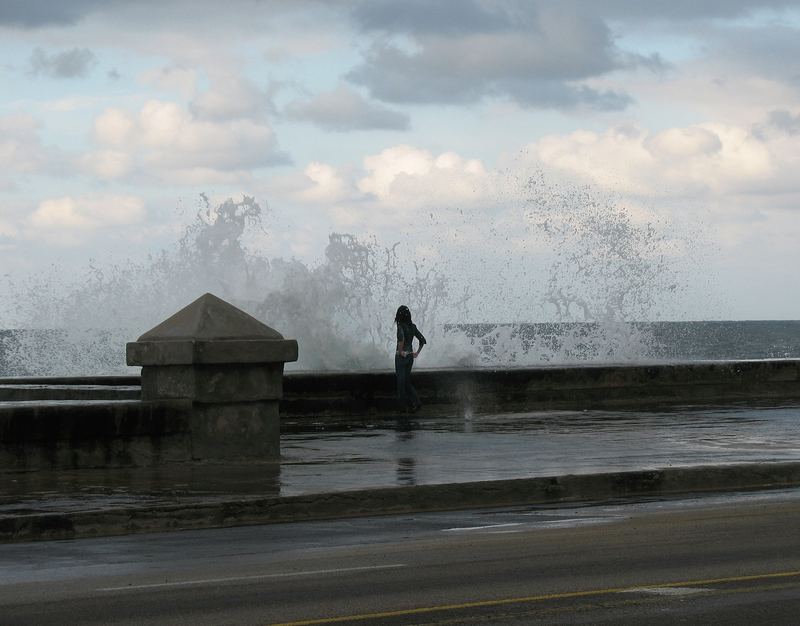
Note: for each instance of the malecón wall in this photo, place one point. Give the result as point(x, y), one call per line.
point(98, 422)
point(484, 390)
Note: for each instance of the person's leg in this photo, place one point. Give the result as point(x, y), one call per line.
point(401, 375)
point(411, 393)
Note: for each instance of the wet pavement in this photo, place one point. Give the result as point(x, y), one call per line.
point(420, 450)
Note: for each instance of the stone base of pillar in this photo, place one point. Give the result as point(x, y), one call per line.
point(235, 431)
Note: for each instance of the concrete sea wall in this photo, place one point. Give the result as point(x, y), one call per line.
point(99, 422)
point(484, 390)
point(76, 434)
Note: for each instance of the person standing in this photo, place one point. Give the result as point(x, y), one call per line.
point(404, 358)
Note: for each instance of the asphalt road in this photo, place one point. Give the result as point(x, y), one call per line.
point(731, 560)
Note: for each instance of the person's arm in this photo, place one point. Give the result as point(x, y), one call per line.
point(420, 337)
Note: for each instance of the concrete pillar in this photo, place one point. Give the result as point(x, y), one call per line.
point(228, 366)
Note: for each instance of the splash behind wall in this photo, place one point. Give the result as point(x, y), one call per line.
point(556, 255)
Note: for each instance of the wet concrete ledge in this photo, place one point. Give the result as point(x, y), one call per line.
point(672, 482)
point(483, 390)
point(65, 391)
point(123, 433)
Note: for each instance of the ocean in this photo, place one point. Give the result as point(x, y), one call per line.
point(669, 341)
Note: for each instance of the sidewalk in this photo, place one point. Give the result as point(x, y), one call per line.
point(421, 464)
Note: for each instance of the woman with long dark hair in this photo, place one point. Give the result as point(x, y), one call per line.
point(404, 358)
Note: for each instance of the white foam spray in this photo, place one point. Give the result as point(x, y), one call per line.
point(587, 269)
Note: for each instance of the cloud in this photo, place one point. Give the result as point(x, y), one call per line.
point(74, 63)
point(402, 186)
point(694, 160)
point(21, 149)
point(785, 121)
point(177, 78)
point(751, 60)
point(167, 142)
point(635, 10)
point(106, 164)
point(550, 55)
point(229, 98)
point(8, 231)
point(325, 184)
point(114, 127)
point(214, 21)
point(456, 17)
point(535, 55)
point(394, 172)
point(452, 17)
point(680, 144)
point(35, 13)
point(287, 46)
point(344, 109)
point(88, 212)
point(404, 179)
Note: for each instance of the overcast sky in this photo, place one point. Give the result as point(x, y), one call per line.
point(368, 117)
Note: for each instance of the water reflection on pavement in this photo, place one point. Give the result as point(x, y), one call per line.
point(421, 450)
point(440, 450)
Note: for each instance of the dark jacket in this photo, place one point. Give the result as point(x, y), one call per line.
point(406, 333)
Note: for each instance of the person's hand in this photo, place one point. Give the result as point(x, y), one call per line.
point(414, 354)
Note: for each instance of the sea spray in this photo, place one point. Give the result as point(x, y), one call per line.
point(340, 309)
point(607, 267)
point(566, 257)
point(591, 271)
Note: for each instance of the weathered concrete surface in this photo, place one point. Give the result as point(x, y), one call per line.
point(245, 511)
point(123, 381)
point(221, 383)
point(92, 434)
point(11, 392)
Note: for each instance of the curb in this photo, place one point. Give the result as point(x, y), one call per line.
point(396, 500)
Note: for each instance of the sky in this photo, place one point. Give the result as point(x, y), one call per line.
point(393, 120)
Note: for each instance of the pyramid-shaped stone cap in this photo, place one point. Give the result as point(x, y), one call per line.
point(210, 331)
point(210, 318)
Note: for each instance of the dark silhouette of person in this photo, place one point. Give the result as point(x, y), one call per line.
point(404, 358)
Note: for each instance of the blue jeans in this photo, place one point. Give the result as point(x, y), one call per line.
point(406, 393)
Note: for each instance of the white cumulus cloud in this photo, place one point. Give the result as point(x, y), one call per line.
point(7, 229)
point(165, 141)
point(395, 187)
point(697, 159)
point(87, 212)
point(405, 177)
point(21, 149)
point(325, 184)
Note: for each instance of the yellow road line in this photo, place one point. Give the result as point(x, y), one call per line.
point(538, 598)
